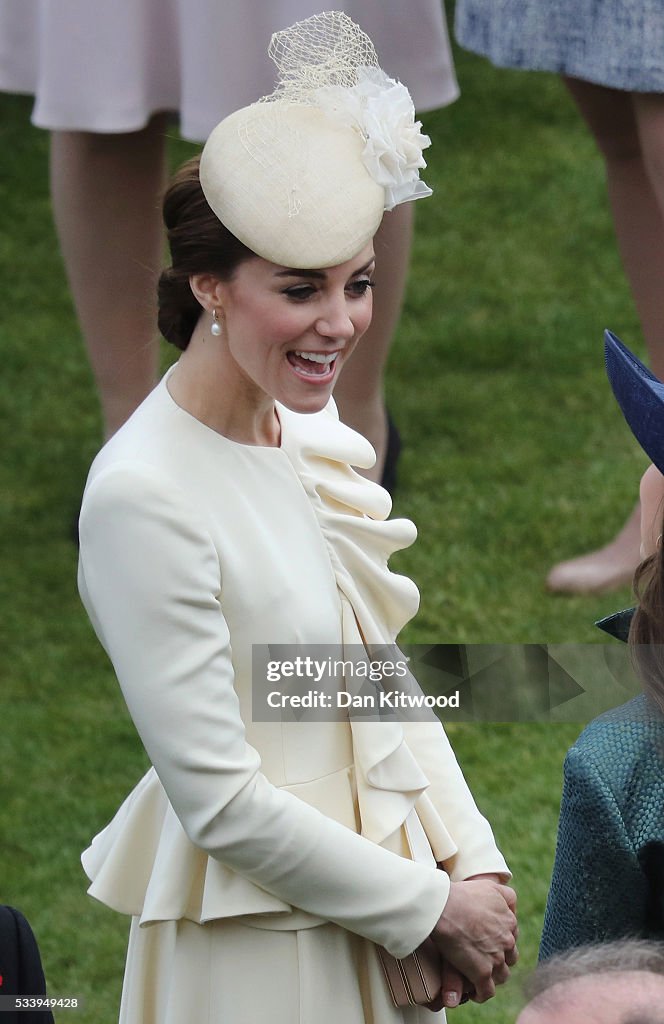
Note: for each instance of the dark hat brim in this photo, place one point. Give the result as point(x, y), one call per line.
point(639, 394)
point(618, 624)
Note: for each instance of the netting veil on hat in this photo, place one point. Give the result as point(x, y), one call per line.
point(303, 176)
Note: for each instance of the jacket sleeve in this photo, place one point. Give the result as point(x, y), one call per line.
point(598, 891)
point(477, 852)
point(150, 578)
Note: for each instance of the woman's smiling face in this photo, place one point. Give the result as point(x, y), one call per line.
point(287, 333)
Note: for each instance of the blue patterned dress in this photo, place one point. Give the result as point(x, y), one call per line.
point(616, 43)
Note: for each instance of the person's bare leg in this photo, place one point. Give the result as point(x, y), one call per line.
point(359, 390)
point(610, 115)
point(105, 191)
point(649, 252)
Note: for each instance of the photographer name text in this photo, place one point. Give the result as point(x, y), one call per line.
point(393, 699)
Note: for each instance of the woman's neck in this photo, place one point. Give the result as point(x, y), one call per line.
point(204, 385)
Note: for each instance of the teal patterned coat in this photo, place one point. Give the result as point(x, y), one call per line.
point(608, 875)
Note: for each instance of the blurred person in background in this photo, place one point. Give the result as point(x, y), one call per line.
point(608, 873)
point(610, 55)
point(612, 983)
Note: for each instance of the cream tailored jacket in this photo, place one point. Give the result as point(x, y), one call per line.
point(193, 548)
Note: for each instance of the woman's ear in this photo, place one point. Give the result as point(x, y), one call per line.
point(207, 289)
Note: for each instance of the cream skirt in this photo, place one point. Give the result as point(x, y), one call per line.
point(223, 972)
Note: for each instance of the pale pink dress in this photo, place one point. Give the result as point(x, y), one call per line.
point(106, 67)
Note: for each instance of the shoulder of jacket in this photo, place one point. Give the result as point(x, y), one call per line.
point(619, 745)
point(129, 480)
point(131, 496)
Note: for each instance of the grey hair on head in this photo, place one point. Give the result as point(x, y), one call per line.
point(622, 955)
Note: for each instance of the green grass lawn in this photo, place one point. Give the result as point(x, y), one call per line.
point(515, 456)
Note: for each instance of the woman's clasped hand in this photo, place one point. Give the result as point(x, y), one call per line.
point(476, 935)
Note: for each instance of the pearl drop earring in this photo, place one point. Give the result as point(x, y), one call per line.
point(216, 326)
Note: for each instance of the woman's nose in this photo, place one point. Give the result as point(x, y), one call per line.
point(335, 321)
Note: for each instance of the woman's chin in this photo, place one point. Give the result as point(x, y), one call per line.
point(307, 404)
point(308, 393)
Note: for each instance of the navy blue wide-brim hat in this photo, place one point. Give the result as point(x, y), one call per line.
point(639, 394)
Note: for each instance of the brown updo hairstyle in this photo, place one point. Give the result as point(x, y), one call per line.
point(199, 244)
point(646, 634)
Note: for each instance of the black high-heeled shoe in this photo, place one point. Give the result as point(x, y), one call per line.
point(393, 451)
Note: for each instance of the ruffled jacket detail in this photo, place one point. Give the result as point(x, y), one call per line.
point(170, 877)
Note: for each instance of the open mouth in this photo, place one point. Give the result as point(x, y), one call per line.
point(318, 366)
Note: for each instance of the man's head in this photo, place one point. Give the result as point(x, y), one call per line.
point(611, 983)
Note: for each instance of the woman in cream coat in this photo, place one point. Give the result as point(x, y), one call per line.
point(261, 862)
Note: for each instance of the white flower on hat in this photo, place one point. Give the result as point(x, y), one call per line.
point(381, 109)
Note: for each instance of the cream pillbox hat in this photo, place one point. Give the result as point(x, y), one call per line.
point(302, 177)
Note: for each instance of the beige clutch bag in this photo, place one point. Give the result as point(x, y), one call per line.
point(415, 979)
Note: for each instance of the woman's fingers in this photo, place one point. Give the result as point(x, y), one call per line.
point(511, 956)
point(476, 933)
point(453, 986)
point(485, 988)
point(501, 973)
point(508, 894)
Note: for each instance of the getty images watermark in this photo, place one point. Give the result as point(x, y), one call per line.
point(323, 683)
point(369, 684)
point(456, 682)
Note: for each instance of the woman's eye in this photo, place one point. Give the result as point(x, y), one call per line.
point(362, 286)
point(300, 292)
